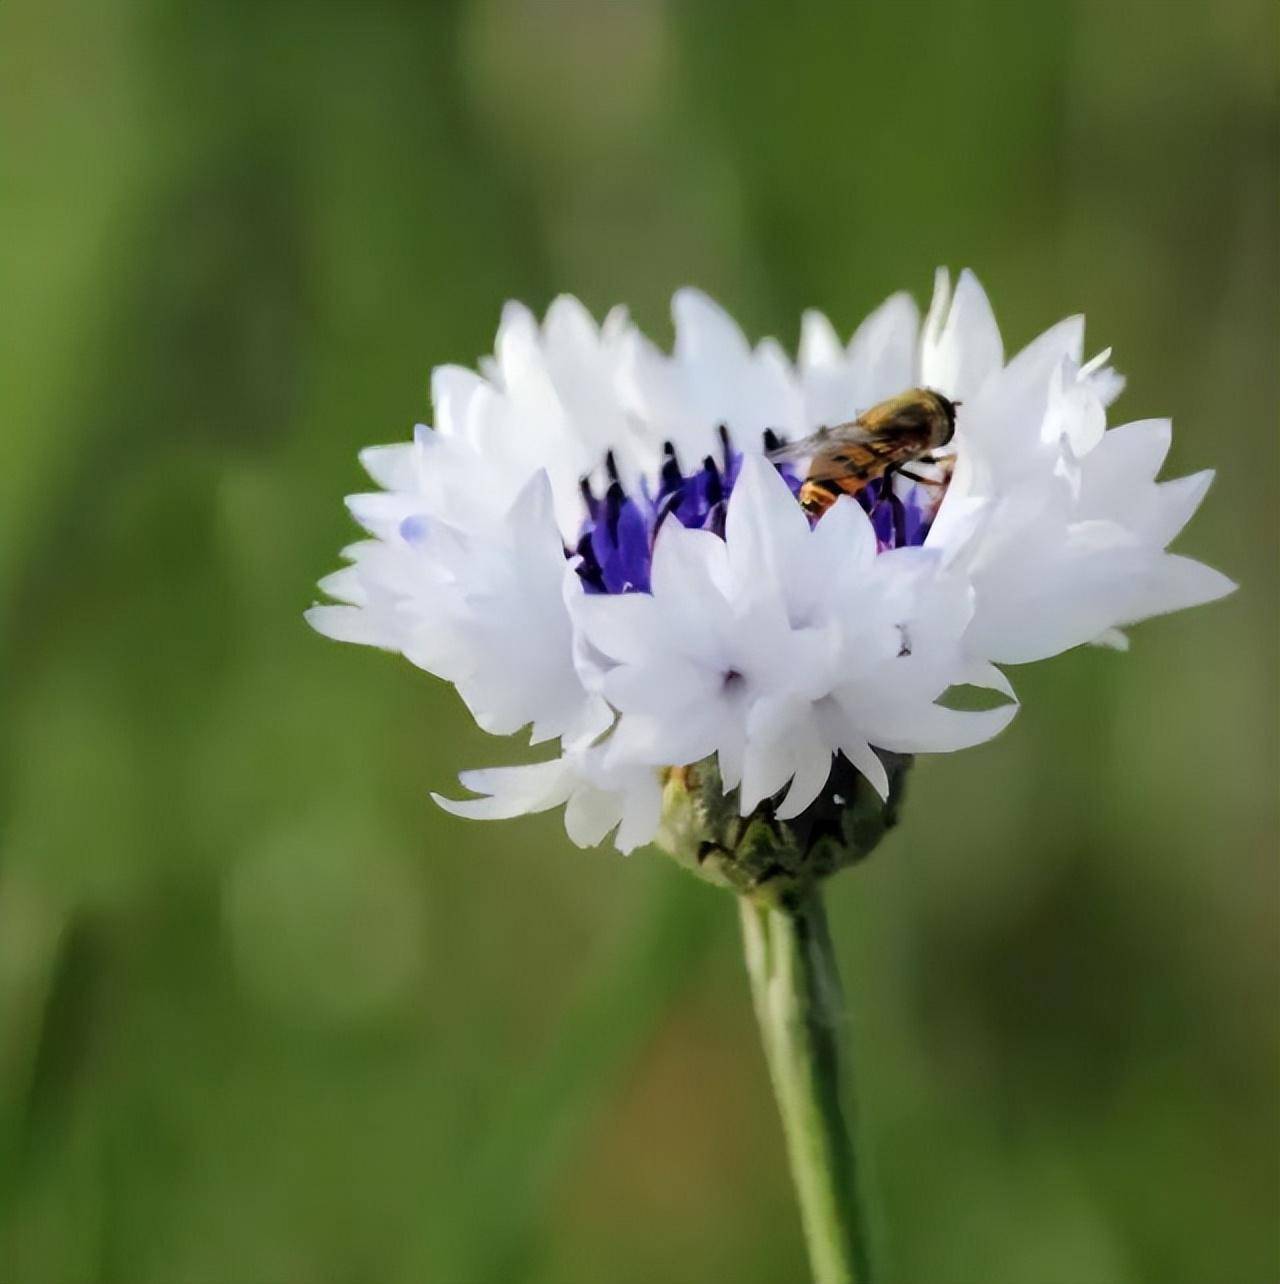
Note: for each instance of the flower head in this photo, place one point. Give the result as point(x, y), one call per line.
point(596, 540)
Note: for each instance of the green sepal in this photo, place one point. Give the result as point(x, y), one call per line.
point(770, 860)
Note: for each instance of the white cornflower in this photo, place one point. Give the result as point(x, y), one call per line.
point(591, 542)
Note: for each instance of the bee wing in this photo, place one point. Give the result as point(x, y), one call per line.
point(847, 452)
point(823, 442)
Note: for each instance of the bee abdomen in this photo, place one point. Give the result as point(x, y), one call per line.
point(817, 496)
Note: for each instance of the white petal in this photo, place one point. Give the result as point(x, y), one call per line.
point(959, 520)
point(1124, 463)
point(819, 345)
point(344, 586)
point(882, 352)
point(657, 741)
point(452, 391)
point(589, 815)
point(939, 305)
point(641, 812)
point(776, 729)
point(867, 761)
point(1045, 605)
point(978, 673)
point(1001, 424)
point(812, 771)
point(931, 728)
point(766, 767)
point(1112, 640)
point(593, 720)
point(844, 536)
point(689, 566)
point(1135, 451)
point(392, 467)
point(516, 347)
point(1037, 361)
point(1075, 413)
point(1107, 384)
point(381, 514)
point(1175, 584)
point(513, 791)
point(624, 628)
point(765, 529)
point(706, 335)
point(569, 326)
point(348, 624)
point(1175, 503)
point(657, 688)
point(960, 353)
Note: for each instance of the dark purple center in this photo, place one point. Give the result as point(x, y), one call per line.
point(615, 546)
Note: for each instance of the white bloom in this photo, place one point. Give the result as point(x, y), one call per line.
point(777, 645)
point(650, 608)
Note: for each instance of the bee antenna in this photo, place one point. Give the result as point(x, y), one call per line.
point(771, 440)
point(584, 485)
point(723, 433)
point(669, 450)
point(611, 466)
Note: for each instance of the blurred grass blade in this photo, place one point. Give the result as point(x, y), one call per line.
point(483, 1233)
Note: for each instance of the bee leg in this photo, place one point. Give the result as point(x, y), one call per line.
point(897, 509)
point(924, 481)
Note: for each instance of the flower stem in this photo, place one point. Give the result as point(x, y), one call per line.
point(798, 1002)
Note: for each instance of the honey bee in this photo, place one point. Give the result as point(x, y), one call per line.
point(877, 444)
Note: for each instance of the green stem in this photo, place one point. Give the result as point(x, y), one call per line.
point(796, 988)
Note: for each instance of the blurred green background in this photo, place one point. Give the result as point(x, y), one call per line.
point(267, 1016)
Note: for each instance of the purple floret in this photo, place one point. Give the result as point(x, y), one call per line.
point(615, 545)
